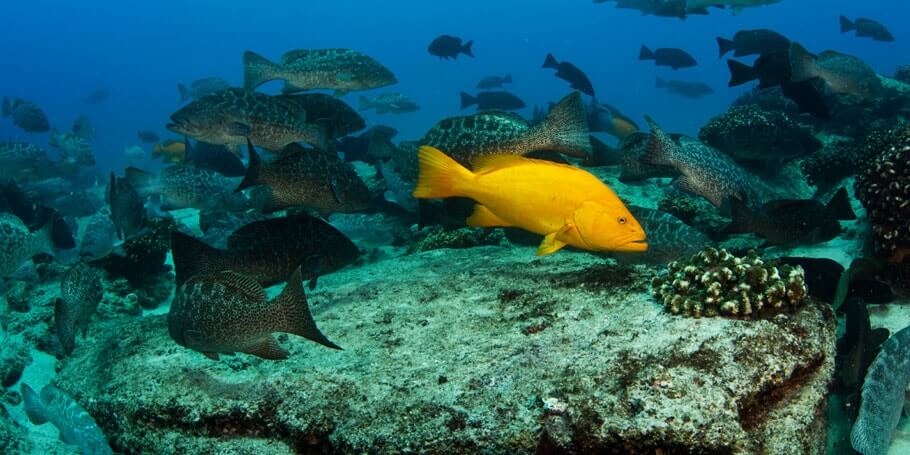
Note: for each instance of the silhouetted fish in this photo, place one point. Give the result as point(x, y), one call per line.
point(127, 210)
point(332, 114)
point(754, 42)
point(447, 46)
point(202, 87)
point(26, 115)
point(494, 82)
point(389, 103)
point(492, 100)
point(214, 157)
point(566, 71)
point(794, 221)
point(842, 73)
point(693, 90)
point(342, 70)
point(672, 57)
point(148, 137)
point(866, 28)
point(80, 293)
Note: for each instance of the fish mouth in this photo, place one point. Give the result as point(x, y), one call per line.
point(634, 246)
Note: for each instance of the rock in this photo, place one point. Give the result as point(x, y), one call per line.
point(486, 349)
point(12, 436)
point(14, 357)
point(17, 297)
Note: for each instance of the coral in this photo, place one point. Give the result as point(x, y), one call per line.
point(679, 206)
point(17, 297)
point(145, 254)
point(883, 187)
point(752, 134)
point(14, 357)
point(438, 237)
point(836, 161)
point(883, 396)
point(716, 283)
point(13, 438)
point(903, 74)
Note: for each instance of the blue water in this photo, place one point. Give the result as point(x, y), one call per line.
point(55, 52)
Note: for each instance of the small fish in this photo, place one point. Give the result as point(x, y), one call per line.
point(18, 245)
point(26, 115)
point(389, 103)
point(494, 82)
point(333, 115)
point(80, 293)
point(736, 5)
point(231, 116)
point(311, 178)
point(492, 100)
point(127, 211)
point(604, 118)
point(342, 70)
point(97, 96)
point(227, 312)
point(672, 57)
point(26, 207)
point(866, 28)
point(570, 73)
point(797, 221)
point(76, 425)
point(202, 87)
point(565, 130)
point(183, 186)
point(686, 89)
point(76, 150)
point(706, 172)
point(358, 148)
point(567, 205)
point(842, 73)
point(448, 47)
point(268, 251)
point(147, 137)
point(753, 42)
point(214, 157)
point(170, 151)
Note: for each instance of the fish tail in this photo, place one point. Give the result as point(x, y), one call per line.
point(440, 176)
point(550, 62)
point(839, 206)
point(192, 257)
point(645, 54)
point(140, 180)
point(184, 93)
point(251, 178)
point(298, 320)
point(565, 129)
point(467, 100)
point(65, 330)
point(659, 147)
point(34, 408)
point(725, 46)
point(802, 63)
point(466, 48)
point(7, 107)
point(740, 73)
point(846, 25)
point(507, 79)
point(257, 70)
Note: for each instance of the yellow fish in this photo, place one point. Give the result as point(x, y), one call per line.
point(565, 204)
point(172, 151)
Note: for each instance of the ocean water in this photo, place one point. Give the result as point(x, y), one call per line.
point(436, 320)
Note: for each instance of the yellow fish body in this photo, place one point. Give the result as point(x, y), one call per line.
point(172, 151)
point(565, 204)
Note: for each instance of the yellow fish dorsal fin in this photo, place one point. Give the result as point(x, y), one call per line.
point(551, 242)
point(483, 217)
point(488, 163)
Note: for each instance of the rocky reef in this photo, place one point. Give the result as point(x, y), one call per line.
point(836, 161)
point(883, 187)
point(464, 350)
point(903, 74)
point(751, 134)
point(716, 283)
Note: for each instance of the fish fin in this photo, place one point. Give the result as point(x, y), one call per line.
point(839, 206)
point(257, 70)
point(267, 349)
point(466, 48)
point(724, 45)
point(251, 178)
point(312, 284)
point(878, 336)
point(294, 307)
point(483, 217)
point(238, 129)
point(565, 128)
point(65, 332)
point(485, 164)
point(467, 100)
point(551, 242)
point(34, 407)
point(340, 93)
point(645, 54)
point(243, 285)
point(192, 257)
point(68, 438)
point(333, 185)
point(740, 73)
point(741, 216)
point(7, 107)
point(211, 355)
point(140, 180)
point(365, 103)
point(685, 185)
point(507, 79)
point(184, 93)
point(846, 25)
point(659, 147)
point(802, 64)
point(550, 62)
point(439, 176)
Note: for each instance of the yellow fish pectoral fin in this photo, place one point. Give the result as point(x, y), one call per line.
point(483, 217)
point(551, 242)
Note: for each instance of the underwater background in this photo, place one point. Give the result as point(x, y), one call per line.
point(347, 233)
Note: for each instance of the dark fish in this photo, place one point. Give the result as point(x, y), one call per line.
point(75, 424)
point(565, 130)
point(494, 82)
point(214, 157)
point(186, 186)
point(342, 70)
point(26, 115)
point(446, 47)
point(389, 103)
point(18, 245)
point(773, 70)
point(603, 118)
point(336, 117)
point(148, 137)
point(357, 148)
point(268, 251)
point(754, 42)
point(795, 221)
point(758, 137)
point(692, 90)
point(668, 238)
point(821, 274)
point(202, 87)
point(127, 209)
point(842, 73)
point(313, 178)
point(672, 57)
point(566, 71)
point(706, 172)
point(34, 215)
point(83, 128)
point(227, 312)
point(76, 204)
point(660, 8)
point(80, 294)
point(857, 349)
point(602, 154)
point(809, 95)
point(492, 100)
point(97, 96)
point(25, 162)
point(231, 116)
point(866, 28)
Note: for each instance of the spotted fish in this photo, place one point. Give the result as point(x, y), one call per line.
point(336, 117)
point(668, 238)
point(17, 244)
point(227, 312)
point(186, 186)
point(80, 293)
point(76, 425)
point(342, 70)
point(564, 130)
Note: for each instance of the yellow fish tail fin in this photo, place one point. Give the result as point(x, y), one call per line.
point(483, 217)
point(440, 176)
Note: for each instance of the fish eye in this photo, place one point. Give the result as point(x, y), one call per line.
point(622, 220)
